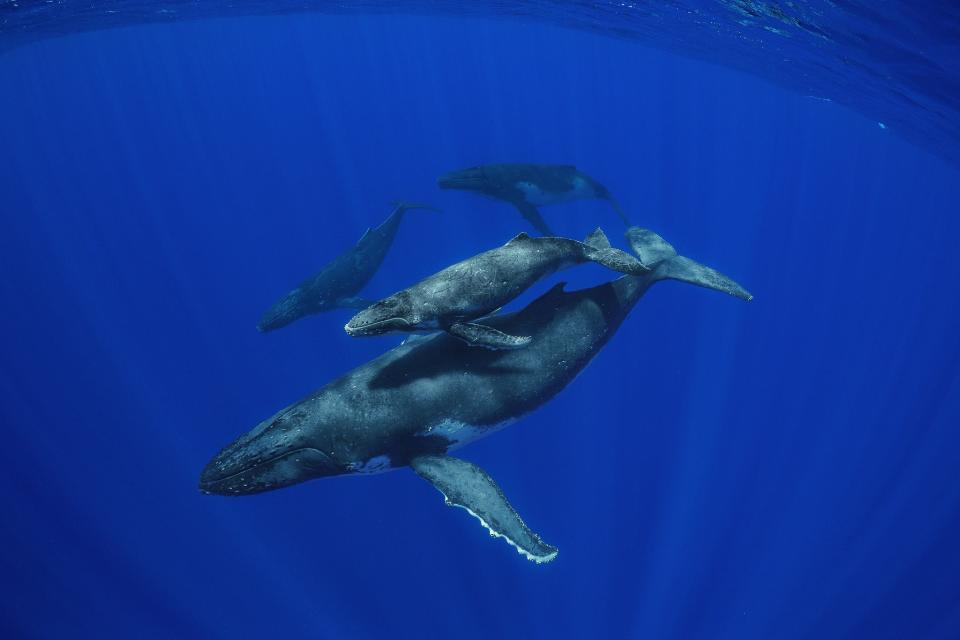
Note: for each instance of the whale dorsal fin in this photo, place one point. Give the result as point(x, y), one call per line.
point(554, 291)
point(523, 236)
point(467, 486)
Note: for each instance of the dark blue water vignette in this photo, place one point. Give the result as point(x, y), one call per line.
point(779, 469)
point(895, 62)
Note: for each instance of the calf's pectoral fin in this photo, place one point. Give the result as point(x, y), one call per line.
point(467, 486)
point(532, 214)
point(480, 335)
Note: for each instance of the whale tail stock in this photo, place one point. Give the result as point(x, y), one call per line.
point(660, 255)
point(400, 206)
point(392, 223)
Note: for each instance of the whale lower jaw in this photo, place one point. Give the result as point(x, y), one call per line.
point(380, 327)
point(290, 467)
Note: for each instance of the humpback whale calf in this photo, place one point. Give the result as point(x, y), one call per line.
point(528, 186)
point(336, 285)
point(416, 403)
point(452, 298)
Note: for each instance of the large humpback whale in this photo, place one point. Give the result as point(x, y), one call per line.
point(453, 298)
point(336, 285)
point(528, 186)
point(427, 397)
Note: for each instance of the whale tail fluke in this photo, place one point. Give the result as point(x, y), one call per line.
point(597, 248)
point(686, 270)
point(660, 255)
point(597, 239)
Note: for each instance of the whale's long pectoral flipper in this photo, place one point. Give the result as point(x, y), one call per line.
point(468, 486)
point(532, 214)
point(660, 254)
point(619, 210)
point(480, 335)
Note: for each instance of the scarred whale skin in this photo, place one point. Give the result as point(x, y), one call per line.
point(414, 403)
point(455, 297)
point(391, 407)
point(403, 403)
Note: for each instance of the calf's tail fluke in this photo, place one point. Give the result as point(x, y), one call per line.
point(662, 258)
point(597, 248)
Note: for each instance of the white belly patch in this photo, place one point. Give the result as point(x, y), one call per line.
point(376, 464)
point(461, 433)
point(538, 197)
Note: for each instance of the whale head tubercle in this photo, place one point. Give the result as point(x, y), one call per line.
point(275, 454)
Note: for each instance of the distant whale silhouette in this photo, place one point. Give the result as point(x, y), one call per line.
point(455, 297)
point(528, 186)
point(336, 285)
point(415, 403)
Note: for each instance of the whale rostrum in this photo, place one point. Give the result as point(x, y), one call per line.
point(418, 402)
point(455, 298)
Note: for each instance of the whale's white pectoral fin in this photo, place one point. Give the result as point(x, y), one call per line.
point(467, 486)
point(480, 335)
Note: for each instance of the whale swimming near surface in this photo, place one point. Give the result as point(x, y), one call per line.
point(414, 404)
point(528, 186)
point(469, 290)
point(336, 285)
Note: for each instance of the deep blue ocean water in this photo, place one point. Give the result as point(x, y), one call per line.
point(785, 468)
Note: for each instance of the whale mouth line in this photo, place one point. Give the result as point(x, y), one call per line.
point(209, 482)
point(361, 329)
